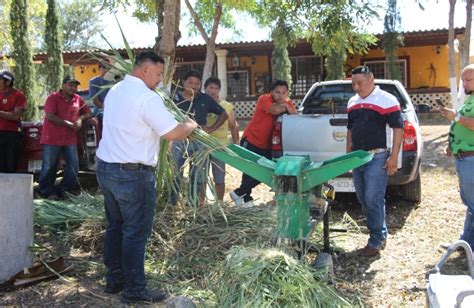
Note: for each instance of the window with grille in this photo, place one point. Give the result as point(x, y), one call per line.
point(237, 84)
point(305, 71)
point(380, 69)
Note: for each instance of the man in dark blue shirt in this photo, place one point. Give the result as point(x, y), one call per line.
point(98, 91)
point(197, 105)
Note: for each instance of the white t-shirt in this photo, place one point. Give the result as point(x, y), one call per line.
point(135, 118)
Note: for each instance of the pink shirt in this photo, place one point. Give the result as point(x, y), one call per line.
point(69, 110)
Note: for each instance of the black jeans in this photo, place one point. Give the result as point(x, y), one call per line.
point(248, 182)
point(9, 150)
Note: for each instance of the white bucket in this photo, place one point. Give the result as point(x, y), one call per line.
point(16, 223)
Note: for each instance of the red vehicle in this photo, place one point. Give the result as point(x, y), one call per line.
point(31, 149)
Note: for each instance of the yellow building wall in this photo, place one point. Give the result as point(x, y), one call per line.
point(83, 73)
point(428, 66)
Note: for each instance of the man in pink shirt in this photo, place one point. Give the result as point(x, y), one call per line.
point(12, 105)
point(64, 113)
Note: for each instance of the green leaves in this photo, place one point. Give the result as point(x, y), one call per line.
point(22, 55)
point(333, 27)
point(53, 40)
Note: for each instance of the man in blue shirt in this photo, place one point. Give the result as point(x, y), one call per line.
point(197, 105)
point(98, 91)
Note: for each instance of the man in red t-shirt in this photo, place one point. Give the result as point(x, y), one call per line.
point(257, 136)
point(12, 104)
point(64, 113)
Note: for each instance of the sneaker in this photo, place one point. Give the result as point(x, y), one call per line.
point(248, 204)
point(149, 295)
point(238, 200)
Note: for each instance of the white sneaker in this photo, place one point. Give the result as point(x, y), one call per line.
point(238, 200)
point(248, 204)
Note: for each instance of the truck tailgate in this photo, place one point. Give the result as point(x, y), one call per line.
point(322, 137)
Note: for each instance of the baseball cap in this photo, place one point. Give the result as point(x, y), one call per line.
point(364, 70)
point(6, 75)
point(69, 79)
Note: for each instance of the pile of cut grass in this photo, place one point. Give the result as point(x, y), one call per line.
point(253, 277)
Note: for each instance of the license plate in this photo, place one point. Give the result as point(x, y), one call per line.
point(342, 184)
point(34, 166)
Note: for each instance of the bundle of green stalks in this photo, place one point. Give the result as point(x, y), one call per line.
point(253, 277)
point(68, 214)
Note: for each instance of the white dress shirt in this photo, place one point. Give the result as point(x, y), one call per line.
point(135, 118)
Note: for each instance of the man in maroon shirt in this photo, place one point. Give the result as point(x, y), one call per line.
point(64, 113)
point(12, 104)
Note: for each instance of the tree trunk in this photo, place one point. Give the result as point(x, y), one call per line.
point(464, 43)
point(452, 70)
point(168, 12)
point(209, 40)
point(335, 63)
point(209, 64)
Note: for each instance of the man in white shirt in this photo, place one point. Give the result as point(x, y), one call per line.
point(135, 118)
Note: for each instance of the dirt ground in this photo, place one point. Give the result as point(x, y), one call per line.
point(396, 278)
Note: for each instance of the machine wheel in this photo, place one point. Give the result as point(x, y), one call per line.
point(411, 192)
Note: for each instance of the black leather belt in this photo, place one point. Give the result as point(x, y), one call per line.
point(463, 154)
point(136, 166)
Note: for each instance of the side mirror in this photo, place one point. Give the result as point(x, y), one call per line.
point(422, 108)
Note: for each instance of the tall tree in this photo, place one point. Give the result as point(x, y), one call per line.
point(464, 42)
point(22, 55)
point(207, 16)
point(36, 13)
point(392, 39)
point(166, 15)
point(452, 68)
point(80, 23)
point(281, 64)
point(53, 41)
point(334, 28)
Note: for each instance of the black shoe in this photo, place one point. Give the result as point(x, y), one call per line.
point(150, 295)
point(113, 288)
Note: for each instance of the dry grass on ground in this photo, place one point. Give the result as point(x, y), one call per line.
point(397, 278)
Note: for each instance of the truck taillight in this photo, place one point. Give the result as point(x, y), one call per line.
point(409, 137)
point(276, 135)
point(91, 137)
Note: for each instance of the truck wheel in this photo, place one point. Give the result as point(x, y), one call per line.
point(411, 192)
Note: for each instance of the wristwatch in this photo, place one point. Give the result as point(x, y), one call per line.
point(457, 117)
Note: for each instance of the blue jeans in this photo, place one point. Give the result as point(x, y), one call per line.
point(197, 174)
point(130, 200)
point(51, 155)
point(465, 171)
point(218, 170)
point(248, 182)
point(370, 181)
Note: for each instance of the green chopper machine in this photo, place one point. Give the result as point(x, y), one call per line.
point(300, 186)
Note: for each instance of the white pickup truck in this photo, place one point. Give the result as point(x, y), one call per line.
point(319, 130)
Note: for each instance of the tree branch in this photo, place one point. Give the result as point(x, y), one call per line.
point(217, 19)
point(197, 22)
